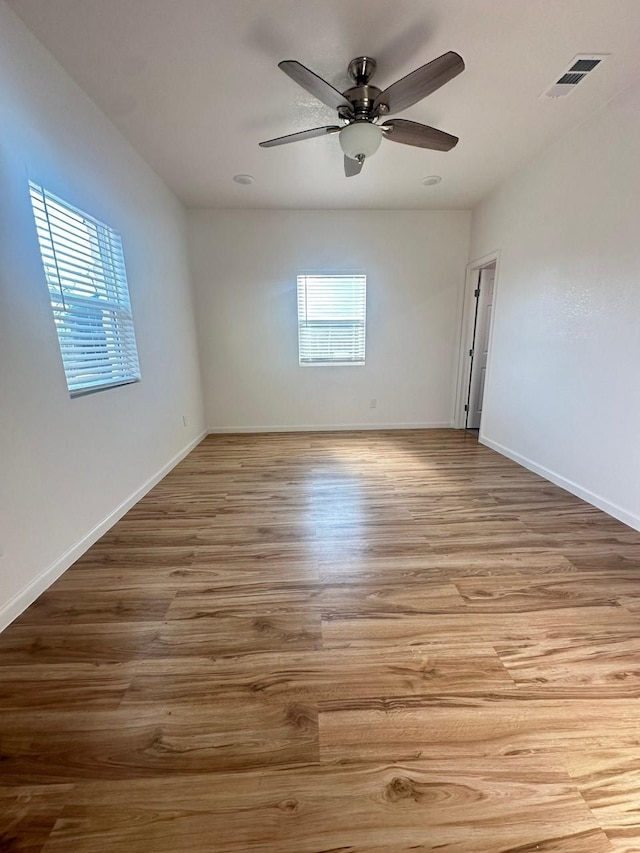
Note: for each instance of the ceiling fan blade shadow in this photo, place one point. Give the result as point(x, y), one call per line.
point(420, 135)
point(420, 83)
point(298, 137)
point(351, 167)
point(409, 41)
point(310, 81)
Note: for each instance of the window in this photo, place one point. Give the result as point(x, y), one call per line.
point(331, 318)
point(84, 269)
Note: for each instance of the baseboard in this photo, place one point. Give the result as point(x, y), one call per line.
point(234, 430)
point(16, 605)
point(618, 512)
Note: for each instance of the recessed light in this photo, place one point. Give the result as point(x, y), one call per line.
point(243, 179)
point(431, 180)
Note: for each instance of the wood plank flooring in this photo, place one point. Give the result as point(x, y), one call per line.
point(374, 642)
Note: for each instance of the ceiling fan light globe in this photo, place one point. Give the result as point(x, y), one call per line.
point(360, 139)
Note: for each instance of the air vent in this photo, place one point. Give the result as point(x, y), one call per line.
point(579, 68)
point(569, 79)
point(585, 65)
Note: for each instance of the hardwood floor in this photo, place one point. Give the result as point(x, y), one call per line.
point(373, 642)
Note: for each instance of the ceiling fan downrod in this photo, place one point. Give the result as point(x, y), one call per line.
point(362, 96)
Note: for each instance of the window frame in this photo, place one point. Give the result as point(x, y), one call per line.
point(88, 289)
point(345, 273)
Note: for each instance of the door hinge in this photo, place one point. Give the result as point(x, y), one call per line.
point(466, 408)
point(476, 292)
point(470, 353)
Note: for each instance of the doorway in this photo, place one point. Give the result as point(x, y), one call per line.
point(479, 350)
point(475, 342)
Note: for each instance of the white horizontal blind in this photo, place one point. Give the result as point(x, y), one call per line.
point(331, 318)
point(84, 267)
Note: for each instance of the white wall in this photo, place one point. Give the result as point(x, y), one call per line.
point(244, 266)
point(563, 389)
point(65, 465)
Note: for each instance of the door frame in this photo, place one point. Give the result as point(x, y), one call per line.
point(466, 333)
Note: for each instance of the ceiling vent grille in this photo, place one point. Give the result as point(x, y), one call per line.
point(574, 74)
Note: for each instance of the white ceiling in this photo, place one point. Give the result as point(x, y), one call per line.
point(194, 85)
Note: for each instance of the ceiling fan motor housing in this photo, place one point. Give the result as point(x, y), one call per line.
point(361, 99)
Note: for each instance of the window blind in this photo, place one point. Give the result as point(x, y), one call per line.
point(331, 318)
point(85, 273)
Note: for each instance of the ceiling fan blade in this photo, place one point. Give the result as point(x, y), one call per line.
point(298, 137)
point(420, 135)
point(420, 83)
point(318, 87)
point(351, 167)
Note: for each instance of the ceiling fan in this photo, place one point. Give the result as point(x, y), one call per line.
point(361, 107)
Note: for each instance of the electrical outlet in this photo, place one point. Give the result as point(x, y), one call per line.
point(373, 403)
point(184, 420)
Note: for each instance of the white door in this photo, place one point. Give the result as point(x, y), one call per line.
point(480, 346)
